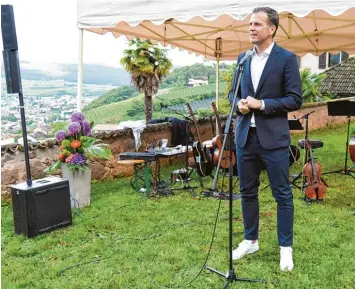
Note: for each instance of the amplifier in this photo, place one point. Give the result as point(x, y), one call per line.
point(43, 207)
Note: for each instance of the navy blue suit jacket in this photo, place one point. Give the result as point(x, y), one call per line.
point(281, 90)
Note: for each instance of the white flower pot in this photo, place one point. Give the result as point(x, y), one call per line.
point(80, 186)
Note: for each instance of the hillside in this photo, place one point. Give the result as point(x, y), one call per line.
point(115, 95)
point(133, 108)
point(92, 73)
point(177, 79)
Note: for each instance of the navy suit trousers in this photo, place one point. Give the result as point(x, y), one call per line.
point(251, 159)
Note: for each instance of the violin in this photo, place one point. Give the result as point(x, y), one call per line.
point(315, 188)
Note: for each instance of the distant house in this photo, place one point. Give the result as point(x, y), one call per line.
point(197, 81)
point(340, 79)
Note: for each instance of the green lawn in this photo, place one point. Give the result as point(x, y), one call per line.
point(126, 241)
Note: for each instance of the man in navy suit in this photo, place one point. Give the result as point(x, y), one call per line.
point(270, 87)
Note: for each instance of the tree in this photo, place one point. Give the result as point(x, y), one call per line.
point(147, 65)
point(11, 117)
point(227, 76)
point(204, 112)
point(310, 85)
point(58, 125)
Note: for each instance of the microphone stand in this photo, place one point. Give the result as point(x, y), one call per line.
point(187, 133)
point(230, 275)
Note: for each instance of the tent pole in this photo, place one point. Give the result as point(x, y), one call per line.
point(217, 90)
point(80, 71)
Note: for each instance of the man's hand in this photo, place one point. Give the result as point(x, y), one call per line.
point(253, 102)
point(243, 106)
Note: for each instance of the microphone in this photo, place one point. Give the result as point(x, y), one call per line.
point(247, 55)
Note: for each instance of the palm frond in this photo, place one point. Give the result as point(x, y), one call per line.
point(99, 152)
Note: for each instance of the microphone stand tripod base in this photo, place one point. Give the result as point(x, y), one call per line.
point(231, 277)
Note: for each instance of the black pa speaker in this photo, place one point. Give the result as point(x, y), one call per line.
point(42, 207)
point(8, 28)
point(10, 53)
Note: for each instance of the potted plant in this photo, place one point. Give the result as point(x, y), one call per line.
point(77, 149)
point(352, 146)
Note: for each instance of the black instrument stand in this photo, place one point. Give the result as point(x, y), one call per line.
point(186, 183)
point(306, 154)
point(343, 108)
point(230, 275)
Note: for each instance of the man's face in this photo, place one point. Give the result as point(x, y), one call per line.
point(259, 28)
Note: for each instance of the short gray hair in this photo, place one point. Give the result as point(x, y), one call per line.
point(272, 15)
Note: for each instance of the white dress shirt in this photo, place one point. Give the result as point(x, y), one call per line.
point(257, 65)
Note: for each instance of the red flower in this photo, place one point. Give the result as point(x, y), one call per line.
point(75, 144)
point(61, 157)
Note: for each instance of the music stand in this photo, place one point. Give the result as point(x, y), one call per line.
point(343, 108)
point(295, 124)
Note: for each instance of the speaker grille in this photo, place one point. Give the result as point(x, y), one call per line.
point(20, 212)
point(8, 28)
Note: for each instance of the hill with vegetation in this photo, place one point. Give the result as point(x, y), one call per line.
point(180, 76)
point(133, 108)
point(92, 73)
point(125, 103)
point(177, 79)
point(115, 95)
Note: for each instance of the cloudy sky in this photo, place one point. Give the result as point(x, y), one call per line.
point(47, 33)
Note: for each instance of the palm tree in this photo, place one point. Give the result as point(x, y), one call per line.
point(148, 65)
point(310, 85)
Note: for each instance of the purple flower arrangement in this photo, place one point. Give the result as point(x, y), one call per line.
point(77, 159)
point(86, 128)
point(77, 146)
point(60, 135)
point(77, 117)
point(74, 128)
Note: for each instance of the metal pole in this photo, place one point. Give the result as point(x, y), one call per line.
point(80, 71)
point(217, 91)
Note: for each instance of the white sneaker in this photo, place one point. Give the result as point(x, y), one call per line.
point(286, 262)
point(244, 248)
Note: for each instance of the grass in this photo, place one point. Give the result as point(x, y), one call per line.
point(125, 241)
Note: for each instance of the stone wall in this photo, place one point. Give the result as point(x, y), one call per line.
point(41, 155)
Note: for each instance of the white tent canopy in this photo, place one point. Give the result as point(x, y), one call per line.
point(212, 28)
point(219, 30)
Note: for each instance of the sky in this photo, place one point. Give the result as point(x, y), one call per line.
point(47, 33)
